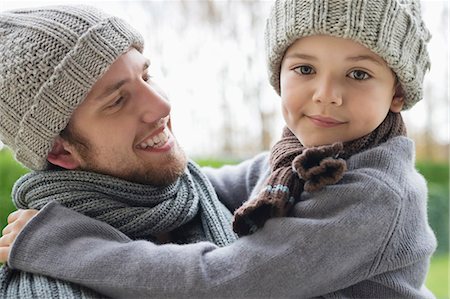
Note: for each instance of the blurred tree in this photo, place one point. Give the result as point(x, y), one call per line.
point(428, 139)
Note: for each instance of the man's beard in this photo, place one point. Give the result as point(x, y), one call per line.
point(159, 176)
point(165, 173)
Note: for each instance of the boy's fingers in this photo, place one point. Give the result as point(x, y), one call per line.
point(6, 230)
point(14, 215)
point(7, 240)
point(24, 215)
point(4, 253)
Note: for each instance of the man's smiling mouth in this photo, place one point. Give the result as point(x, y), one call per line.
point(155, 141)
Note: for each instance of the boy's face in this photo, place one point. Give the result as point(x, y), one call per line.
point(334, 89)
point(116, 129)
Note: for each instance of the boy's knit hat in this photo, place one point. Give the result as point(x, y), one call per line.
point(393, 29)
point(50, 57)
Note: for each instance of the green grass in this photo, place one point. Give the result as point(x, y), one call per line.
point(437, 176)
point(438, 279)
point(437, 173)
point(215, 163)
point(10, 171)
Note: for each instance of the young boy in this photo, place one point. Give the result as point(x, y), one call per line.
point(344, 71)
point(343, 80)
point(340, 212)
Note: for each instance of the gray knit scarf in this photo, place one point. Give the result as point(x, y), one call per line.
point(139, 211)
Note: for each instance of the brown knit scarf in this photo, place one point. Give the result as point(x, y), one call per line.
point(295, 168)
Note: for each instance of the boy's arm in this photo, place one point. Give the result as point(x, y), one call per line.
point(234, 183)
point(332, 242)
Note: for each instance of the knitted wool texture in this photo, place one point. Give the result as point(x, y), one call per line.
point(295, 168)
point(393, 29)
point(18, 284)
point(139, 211)
point(50, 58)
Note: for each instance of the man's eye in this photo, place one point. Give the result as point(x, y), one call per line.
point(304, 70)
point(117, 102)
point(359, 75)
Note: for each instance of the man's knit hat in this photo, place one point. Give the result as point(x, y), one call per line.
point(393, 29)
point(50, 57)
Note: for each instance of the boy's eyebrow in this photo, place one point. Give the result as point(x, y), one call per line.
point(351, 58)
point(365, 57)
point(300, 55)
point(113, 87)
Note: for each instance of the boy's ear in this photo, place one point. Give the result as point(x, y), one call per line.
point(63, 154)
point(398, 100)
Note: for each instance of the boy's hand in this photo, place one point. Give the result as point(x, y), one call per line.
point(16, 222)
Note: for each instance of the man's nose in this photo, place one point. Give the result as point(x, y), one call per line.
point(328, 91)
point(153, 104)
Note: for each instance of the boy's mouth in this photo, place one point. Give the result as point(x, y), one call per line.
point(325, 121)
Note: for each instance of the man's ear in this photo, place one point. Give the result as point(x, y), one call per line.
point(398, 100)
point(63, 154)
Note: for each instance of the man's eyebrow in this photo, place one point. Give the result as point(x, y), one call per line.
point(111, 88)
point(365, 57)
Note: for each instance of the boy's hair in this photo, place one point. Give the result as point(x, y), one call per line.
point(50, 58)
point(393, 29)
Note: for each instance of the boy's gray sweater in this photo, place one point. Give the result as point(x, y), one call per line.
point(365, 237)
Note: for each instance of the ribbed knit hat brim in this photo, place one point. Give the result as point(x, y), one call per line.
point(393, 29)
point(50, 59)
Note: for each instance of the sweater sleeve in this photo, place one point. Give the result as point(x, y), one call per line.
point(333, 240)
point(235, 183)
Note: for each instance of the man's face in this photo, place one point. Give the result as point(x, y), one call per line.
point(334, 89)
point(123, 129)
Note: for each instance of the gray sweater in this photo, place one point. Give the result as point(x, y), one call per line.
point(366, 236)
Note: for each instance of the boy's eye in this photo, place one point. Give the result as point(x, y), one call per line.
point(359, 75)
point(304, 70)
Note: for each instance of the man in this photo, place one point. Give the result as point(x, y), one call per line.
point(335, 241)
point(78, 106)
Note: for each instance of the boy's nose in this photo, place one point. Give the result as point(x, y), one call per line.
point(328, 91)
point(153, 105)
